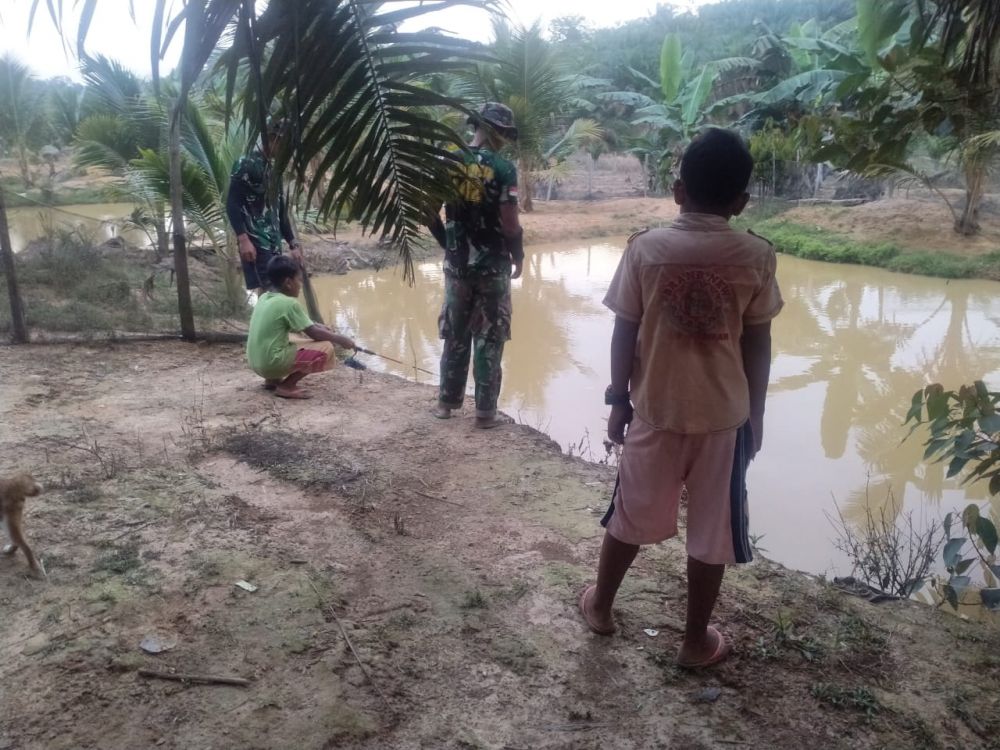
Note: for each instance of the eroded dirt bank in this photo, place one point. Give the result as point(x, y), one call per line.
point(449, 558)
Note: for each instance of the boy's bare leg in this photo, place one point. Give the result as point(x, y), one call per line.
point(616, 559)
point(704, 581)
point(289, 387)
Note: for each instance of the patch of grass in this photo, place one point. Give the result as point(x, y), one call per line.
point(919, 736)
point(119, 560)
point(55, 560)
point(854, 632)
point(402, 621)
point(787, 634)
point(517, 654)
point(84, 495)
point(858, 698)
point(516, 591)
point(474, 600)
point(811, 243)
point(977, 711)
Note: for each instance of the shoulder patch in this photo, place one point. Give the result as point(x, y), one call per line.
point(750, 231)
point(636, 234)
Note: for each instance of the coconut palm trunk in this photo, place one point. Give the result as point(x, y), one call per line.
point(184, 309)
point(18, 324)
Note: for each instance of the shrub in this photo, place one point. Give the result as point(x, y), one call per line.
point(965, 431)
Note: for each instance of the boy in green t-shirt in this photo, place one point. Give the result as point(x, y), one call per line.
point(270, 352)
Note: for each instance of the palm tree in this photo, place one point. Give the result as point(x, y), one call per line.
point(354, 102)
point(528, 77)
point(22, 112)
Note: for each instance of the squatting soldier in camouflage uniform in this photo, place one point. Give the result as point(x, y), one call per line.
point(482, 239)
point(258, 227)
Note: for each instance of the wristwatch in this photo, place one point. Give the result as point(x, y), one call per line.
point(616, 399)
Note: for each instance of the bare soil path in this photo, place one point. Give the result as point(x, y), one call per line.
point(416, 586)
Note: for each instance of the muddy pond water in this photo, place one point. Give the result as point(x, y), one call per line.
point(98, 222)
point(850, 349)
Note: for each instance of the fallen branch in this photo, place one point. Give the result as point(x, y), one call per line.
point(205, 679)
point(364, 670)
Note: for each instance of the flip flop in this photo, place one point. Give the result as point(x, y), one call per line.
point(270, 385)
point(722, 650)
point(584, 597)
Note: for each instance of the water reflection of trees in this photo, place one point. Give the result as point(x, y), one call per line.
point(865, 356)
point(400, 321)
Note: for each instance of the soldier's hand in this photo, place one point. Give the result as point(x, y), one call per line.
point(248, 253)
point(515, 271)
point(295, 250)
point(620, 416)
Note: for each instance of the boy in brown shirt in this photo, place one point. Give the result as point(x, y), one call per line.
point(690, 360)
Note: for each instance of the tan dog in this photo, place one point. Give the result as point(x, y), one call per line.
point(13, 490)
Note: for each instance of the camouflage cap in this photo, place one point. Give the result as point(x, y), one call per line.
point(497, 116)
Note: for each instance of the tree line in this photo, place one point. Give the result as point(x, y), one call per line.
point(901, 89)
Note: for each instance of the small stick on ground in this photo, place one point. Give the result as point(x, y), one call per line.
point(435, 497)
point(205, 679)
point(133, 529)
point(364, 670)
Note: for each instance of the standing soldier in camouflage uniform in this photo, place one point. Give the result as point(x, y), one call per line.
point(259, 228)
point(484, 250)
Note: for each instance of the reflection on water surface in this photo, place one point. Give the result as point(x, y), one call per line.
point(851, 347)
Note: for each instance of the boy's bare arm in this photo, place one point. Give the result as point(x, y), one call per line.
point(756, 348)
point(321, 333)
point(622, 356)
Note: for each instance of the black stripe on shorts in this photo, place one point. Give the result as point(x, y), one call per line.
point(739, 515)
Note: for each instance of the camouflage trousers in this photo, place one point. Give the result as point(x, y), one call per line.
point(475, 324)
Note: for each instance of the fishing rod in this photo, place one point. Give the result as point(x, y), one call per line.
point(390, 359)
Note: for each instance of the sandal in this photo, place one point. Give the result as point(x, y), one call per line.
point(722, 650)
point(595, 628)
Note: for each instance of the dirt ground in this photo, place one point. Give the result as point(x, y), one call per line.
point(416, 586)
point(922, 223)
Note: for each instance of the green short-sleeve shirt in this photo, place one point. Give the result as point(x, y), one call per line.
point(269, 352)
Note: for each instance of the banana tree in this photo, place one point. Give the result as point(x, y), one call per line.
point(673, 109)
point(686, 89)
point(929, 74)
point(354, 101)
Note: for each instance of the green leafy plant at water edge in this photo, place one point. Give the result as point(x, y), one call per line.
point(964, 430)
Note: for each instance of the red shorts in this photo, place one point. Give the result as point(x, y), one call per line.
point(313, 356)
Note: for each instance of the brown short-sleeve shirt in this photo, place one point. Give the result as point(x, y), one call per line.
point(692, 288)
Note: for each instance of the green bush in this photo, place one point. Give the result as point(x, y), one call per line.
point(817, 244)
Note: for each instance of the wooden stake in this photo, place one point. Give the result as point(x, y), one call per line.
point(19, 326)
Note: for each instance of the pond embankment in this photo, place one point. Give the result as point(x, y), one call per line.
point(416, 585)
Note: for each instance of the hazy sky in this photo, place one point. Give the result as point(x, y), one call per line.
point(114, 34)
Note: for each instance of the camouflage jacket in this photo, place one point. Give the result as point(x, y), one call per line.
point(248, 207)
point(474, 242)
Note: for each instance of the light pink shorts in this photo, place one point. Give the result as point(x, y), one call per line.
point(656, 465)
